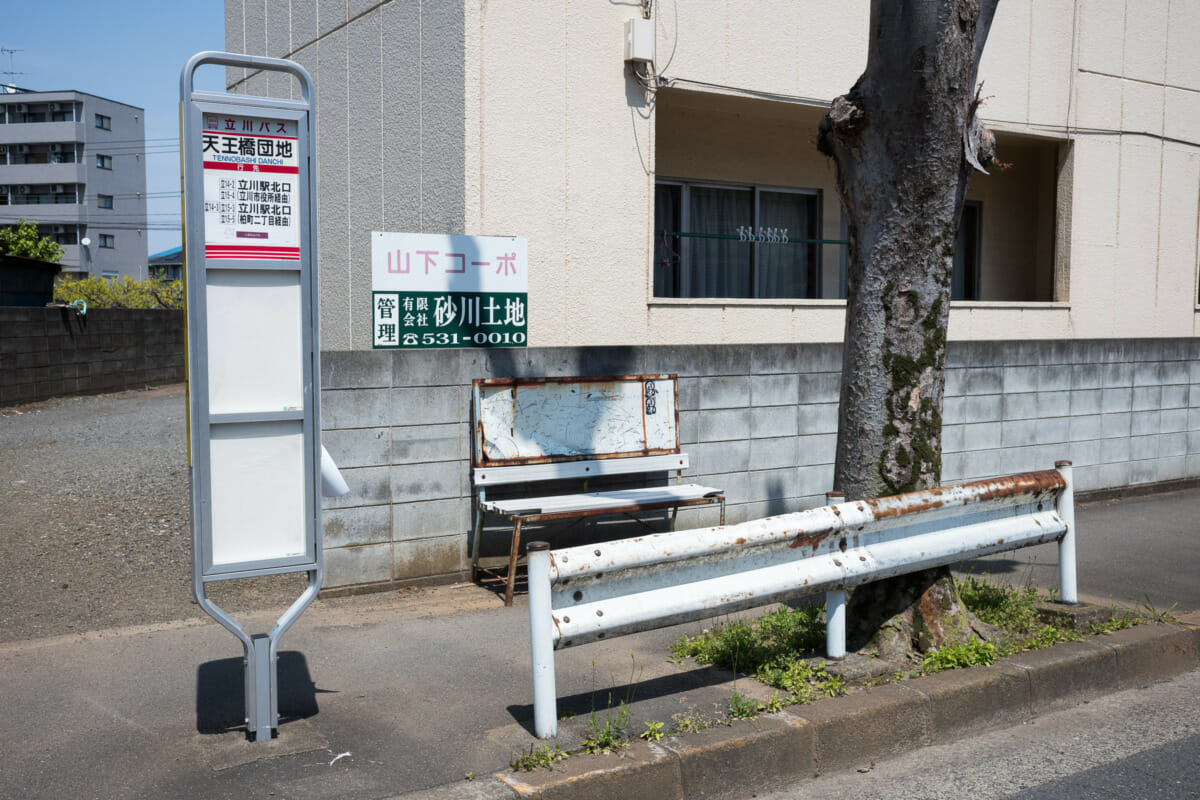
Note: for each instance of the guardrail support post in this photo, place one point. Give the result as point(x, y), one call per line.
point(541, 640)
point(835, 624)
point(1066, 545)
point(835, 606)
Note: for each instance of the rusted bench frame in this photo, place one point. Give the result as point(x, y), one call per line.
point(552, 466)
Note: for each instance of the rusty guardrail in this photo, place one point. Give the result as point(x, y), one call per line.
point(583, 594)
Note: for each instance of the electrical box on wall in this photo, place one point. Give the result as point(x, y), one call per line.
point(639, 40)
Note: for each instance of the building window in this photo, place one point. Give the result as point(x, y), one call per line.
point(62, 153)
point(103, 162)
point(964, 281)
point(66, 235)
point(103, 122)
point(107, 240)
point(720, 240)
point(104, 201)
point(166, 272)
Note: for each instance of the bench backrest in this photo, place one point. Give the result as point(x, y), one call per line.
point(557, 421)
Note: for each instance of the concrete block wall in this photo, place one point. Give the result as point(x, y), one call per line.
point(759, 421)
point(52, 352)
point(1125, 412)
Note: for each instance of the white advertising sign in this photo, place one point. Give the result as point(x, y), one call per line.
point(435, 290)
point(431, 262)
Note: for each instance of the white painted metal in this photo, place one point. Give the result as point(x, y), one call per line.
point(835, 606)
point(890, 518)
point(621, 587)
point(541, 627)
point(1066, 545)
point(332, 482)
point(835, 624)
point(495, 476)
point(591, 501)
point(625, 601)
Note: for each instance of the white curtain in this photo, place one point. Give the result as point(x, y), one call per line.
point(783, 267)
point(718, 267)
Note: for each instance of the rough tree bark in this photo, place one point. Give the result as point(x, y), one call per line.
point(905, 140)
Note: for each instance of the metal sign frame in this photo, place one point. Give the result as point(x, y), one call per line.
point(261, 649)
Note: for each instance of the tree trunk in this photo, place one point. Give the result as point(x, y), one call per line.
point(904, 139)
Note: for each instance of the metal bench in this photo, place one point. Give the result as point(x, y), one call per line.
point(534, 430)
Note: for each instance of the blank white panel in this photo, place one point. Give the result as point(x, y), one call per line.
point(255, 358)
point(257, 491)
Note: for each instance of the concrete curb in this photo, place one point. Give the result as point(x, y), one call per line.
point(775, 751)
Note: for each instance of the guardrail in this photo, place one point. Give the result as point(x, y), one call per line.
point(582, 594)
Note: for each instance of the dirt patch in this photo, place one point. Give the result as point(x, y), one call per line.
point(95, 517)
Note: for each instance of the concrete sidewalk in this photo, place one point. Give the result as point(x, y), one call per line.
point(387, 694)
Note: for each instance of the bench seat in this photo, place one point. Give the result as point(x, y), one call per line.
point(615, 502)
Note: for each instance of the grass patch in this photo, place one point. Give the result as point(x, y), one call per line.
point(535, 757)
point(742, 707)
point(778, 647)
point(607, 734)
point(691, 721)
point(654, 732)
point(770, 649)
point(973, 653)
point(1014, 609)
point(1009, 607)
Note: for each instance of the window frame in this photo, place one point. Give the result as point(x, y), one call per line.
point(104, 201)
point(685, 243)
point(103, 161)
point(104, 122)
point(110, 238)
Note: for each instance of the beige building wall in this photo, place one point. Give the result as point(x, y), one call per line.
point(1091, 233)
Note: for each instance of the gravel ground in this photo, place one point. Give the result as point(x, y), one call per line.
point(95, 518)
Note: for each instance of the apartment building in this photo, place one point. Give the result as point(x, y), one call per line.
point(679, 219)
point(74, 163)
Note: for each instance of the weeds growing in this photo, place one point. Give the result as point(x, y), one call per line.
point(654, 732)
point(742, 707)
point(972, 653)
point(773, 648)
point(542, 756)
point(607, 735)
point(770, 649)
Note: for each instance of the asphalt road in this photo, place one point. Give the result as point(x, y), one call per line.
point(1142, 744)
point(1137, 551)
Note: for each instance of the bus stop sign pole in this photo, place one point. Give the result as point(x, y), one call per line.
point(250, 246)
